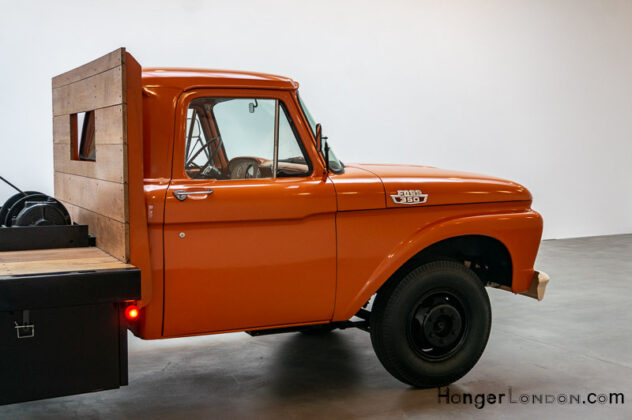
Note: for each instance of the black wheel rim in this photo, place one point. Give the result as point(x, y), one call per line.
point(437, 325)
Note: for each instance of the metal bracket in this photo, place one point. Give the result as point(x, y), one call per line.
point(26, 329)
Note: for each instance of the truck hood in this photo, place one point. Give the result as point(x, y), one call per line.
point(436, 186)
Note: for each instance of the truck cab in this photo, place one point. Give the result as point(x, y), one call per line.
point(252, 229)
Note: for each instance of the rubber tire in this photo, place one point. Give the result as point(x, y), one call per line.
point(390, 315)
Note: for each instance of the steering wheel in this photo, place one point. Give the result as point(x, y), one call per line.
point(252, 171)
point(208, 169)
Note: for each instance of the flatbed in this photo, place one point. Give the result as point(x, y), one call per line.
point(63, 331)
point(42, 261)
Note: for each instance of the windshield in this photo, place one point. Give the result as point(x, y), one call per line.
point(334, 164)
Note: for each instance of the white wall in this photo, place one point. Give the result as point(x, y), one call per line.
point(535, 91)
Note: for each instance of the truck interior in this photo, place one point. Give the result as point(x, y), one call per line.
point(242, 138)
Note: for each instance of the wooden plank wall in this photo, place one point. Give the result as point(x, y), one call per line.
point(95, 193)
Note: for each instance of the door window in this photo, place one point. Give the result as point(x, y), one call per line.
point(242, 138)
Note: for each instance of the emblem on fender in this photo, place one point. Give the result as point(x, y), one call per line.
point(409, 197)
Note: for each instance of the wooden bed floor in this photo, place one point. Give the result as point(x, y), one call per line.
point(57, 261)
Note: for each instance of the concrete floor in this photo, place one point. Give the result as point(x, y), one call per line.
point(577, 341)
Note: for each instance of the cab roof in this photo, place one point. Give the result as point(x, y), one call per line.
point(187, 78)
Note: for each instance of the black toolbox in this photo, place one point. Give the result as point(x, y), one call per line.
point(64, 333)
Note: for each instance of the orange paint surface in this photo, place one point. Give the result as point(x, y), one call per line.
point(258, 253)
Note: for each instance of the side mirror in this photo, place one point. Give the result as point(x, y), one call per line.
point(319, 137)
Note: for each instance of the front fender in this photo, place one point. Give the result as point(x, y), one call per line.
point(520, 232)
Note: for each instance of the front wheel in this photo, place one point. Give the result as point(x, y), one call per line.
point(432, 327)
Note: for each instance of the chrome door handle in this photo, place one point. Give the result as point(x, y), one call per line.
point(182, 194)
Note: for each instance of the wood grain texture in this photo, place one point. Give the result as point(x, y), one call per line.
point(110, 164)
point(50, 254)
point(57, 261)
point(109, 125)
point(98, 91)
point(61, 129)
point(112, 235)
point(101, 64)
point(138, 232)
point(95, 192)
point(104, 197)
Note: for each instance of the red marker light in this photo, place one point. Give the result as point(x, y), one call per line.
point(131, 313)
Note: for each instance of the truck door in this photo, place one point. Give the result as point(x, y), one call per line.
point(249, 236)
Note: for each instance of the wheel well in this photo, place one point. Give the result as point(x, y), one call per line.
point(486, 256)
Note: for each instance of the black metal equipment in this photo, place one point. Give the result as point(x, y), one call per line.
point(21, 238)
point(10, 202)
point(33, 208)
point(60, 333)
point(33, 220)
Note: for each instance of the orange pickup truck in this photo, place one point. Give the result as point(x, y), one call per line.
point(241, 217)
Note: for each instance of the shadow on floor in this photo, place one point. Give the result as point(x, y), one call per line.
point(305, 364)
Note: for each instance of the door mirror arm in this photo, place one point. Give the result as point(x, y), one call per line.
point(319, 146)
point(319, 134)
